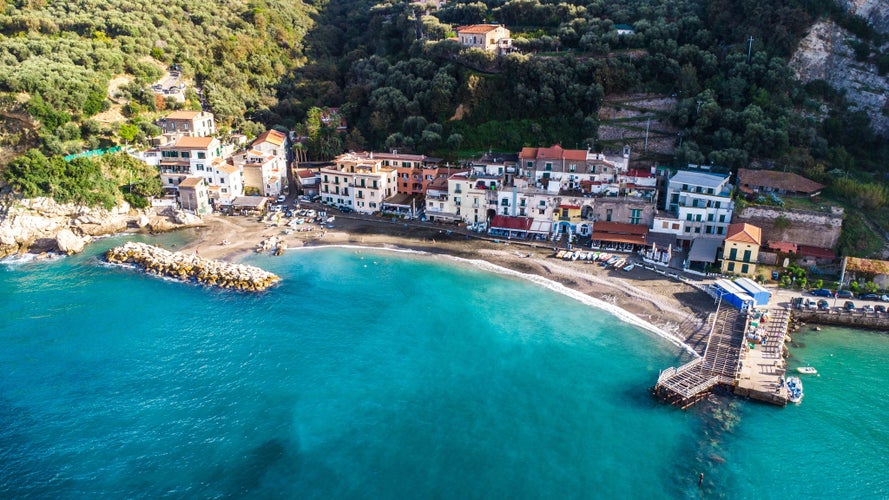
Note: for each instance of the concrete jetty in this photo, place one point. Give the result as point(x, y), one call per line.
point(184, 267)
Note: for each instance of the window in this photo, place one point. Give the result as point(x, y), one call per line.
point(222, 180)
point(170, 181)
point(504, 202)
point(607, 215)
point(202, 155)
point(542, 211)
point(745, 268)
point(665, 225)
point(720, 230)
point(746, 256)
point(457, 200)
point(635, 215)
point(529, 164)
point(731, 266)
point(698, 217)
point(722, 218)
point(687, 216)
point(676, 226)
point(199, 166)
point(717, 204)
point(186, 154)
point(688, 230)
point(572, 167)
point(542, 203)
point(548, 167)
point(733, 254)
point(697, 230)
point(457, 189)
point(709, 217)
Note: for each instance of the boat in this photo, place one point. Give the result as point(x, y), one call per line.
point(794, 389)
point(629, 267)
point(808, 370)
point(611, 261)
point(620, 263)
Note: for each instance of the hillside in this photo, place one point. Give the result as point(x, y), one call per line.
point(57, 59)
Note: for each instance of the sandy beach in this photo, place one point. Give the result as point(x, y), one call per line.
point(671, 305)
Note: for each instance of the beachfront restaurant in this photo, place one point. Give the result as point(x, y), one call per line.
point(618, 236)
point(510, 227)
point(245, 205)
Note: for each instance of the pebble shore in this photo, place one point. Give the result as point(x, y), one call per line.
point(157, 261)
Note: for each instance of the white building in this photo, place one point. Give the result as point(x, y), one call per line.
point(358, 181)
point(702, 202)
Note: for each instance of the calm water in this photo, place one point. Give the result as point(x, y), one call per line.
point(382, 375)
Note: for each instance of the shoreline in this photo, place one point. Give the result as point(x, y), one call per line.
point(671, 309)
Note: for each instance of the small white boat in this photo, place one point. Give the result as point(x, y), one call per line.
point(629, 267)
point(808, 370)
point(794, 389)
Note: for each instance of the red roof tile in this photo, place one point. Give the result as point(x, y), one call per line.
point(742, 232)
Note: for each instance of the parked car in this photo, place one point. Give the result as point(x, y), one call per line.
point(869, 308)
point(884, 298)
point(282, 199)
point(346, 209)
point(823, 305)
point(869, 296)
point(822, 292)
point(880, 308)
point(849, 305)
point(845, 294)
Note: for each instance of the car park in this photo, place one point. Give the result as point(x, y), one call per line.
point(821, 292)
point(849, 305)
point(845, 294)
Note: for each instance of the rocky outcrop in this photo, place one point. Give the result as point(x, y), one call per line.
point(876, 12)
point(825, 54)
point(157, 261)
point(44, 225)
point(69, 243)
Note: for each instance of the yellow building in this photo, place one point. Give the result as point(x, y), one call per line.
point(741, 249)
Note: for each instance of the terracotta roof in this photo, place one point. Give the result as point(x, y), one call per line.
point(183, 115)
point(229, 169)
point(634, 239)
point(823, 253)
point(638, 172)
point(271, 136)
point(514, 223)
point(305, 174)
point(742, 232)
point(477, 28)
point(191, 182)
point(554, 152)
point(193, 142)
point(785, 181)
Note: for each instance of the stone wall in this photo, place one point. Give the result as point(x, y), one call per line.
point(803, 227)
point(854, 319)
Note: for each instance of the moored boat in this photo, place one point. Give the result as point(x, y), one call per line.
point(794, 389)
point(629, 267)
point(808, 370)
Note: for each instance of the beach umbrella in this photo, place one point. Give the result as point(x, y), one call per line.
point(654, 250)
point(669, 252)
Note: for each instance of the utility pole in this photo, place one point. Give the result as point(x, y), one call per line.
point(647, 124)
point(749, 48)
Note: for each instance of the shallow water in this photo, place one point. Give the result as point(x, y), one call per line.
point(369, 374)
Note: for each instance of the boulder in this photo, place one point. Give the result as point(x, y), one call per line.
point(70, 243)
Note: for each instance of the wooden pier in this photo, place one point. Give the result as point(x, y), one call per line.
point(720, 364)
point(729, 362)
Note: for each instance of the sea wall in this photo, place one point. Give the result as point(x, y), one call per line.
point(155, 260)
point(852, 319)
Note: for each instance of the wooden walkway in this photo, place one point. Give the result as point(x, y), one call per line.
point(720, 364)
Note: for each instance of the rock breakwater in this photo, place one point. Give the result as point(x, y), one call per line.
point(157, 261)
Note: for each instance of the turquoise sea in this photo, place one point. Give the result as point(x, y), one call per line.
point(371, 374)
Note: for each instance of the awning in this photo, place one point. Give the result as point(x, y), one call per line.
point(540, 226)
point(704, 250)
point(635, 239)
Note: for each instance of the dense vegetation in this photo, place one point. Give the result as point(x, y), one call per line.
point(401, 82)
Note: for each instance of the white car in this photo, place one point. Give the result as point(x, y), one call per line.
point(282, 199)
